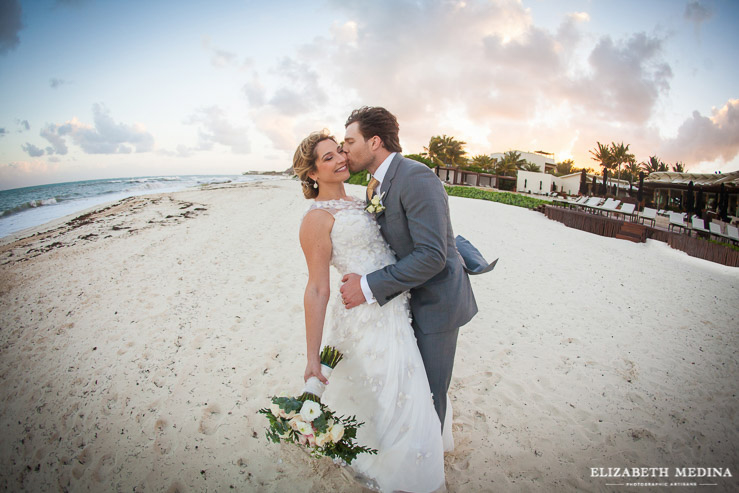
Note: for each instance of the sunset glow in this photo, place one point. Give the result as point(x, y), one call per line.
point(107, 89)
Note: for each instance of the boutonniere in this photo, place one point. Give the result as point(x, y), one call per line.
point(375, 204)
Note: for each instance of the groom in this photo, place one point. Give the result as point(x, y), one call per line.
point(416, 224)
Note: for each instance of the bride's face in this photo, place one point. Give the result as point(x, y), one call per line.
point(330, 163)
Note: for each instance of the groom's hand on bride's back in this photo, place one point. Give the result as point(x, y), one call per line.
point(351, 291)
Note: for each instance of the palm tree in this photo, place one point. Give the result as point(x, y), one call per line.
point(531, 167)
point(632, 171)
point(434, 150)
point(446, 150)
point(654, 165)
point(602, 154)
point(565, 168)
point(509, 164)
point(679, 167)
point(483, 161)
point(620, 154)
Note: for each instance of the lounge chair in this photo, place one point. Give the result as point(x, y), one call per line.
point(699, 226)
point(562, 202)
point(580, 200)
point(626, 210)
point(715, 229)
point(610, 206)
point(732, 232)
point(677, 220)
point(608, 203)
point(591, 203)
point(648, 214)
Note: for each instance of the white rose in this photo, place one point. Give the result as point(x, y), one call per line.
point(376, 200)
point(275, 410)
point(295, 422)
point(336, 432)
point(310, 410)
point(322, 439)
point(304, 428)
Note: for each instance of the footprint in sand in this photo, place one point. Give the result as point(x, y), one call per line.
point(81, 462)
point(176, 487)
point(164, 442)
point(104, 468)
point(211, 420)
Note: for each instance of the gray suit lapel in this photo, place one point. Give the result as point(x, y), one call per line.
point(387, 182)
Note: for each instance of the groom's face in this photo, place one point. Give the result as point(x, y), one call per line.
point(357, 150)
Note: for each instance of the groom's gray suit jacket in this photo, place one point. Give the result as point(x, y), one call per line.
point(417, 226)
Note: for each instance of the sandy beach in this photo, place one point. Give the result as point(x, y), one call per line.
point(138, 342)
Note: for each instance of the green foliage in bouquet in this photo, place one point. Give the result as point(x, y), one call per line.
point(305, 421)
point(315, 426)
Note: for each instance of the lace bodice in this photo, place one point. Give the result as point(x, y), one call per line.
point(358, 245)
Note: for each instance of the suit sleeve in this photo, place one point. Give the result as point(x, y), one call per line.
point(424, 203)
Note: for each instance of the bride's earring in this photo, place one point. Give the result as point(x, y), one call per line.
point(315, 184)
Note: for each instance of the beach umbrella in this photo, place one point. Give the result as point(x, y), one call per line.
point(723, 203)
point(583, 182)
point(640, 193)
point(689, 198)
point(699, 203)
point(594, 191)
point(604, 188)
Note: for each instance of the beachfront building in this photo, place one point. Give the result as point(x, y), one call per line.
point(536, 183)
point(545, 183)
point(544, 160)
point(456, 176)
point(669, 190)
point(570, 184)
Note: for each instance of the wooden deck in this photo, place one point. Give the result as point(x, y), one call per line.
point(597, 224)
point(626, 230)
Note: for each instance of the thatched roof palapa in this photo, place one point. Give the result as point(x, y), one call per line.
point(700, 180)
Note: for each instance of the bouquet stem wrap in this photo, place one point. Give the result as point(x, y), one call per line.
point(314, 386)
point(313, 390)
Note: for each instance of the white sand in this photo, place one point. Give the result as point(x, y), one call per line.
point(135, 360)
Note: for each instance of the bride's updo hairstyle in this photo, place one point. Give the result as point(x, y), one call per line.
point(304, 161)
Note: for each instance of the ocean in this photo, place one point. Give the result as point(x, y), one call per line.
point(27, 207)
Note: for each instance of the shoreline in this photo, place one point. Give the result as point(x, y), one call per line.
point(25, 210)
point(136, 353)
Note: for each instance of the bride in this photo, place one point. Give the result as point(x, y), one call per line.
point(381, 378)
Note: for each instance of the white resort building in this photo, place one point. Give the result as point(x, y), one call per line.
point(545, 183)
point(544, 160)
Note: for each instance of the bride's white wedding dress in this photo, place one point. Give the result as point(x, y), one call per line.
point(381, 379)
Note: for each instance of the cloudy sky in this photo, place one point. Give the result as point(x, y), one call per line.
point(97, 89)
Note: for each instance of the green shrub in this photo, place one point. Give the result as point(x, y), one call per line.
point(359, 178)
point(733, 247)
point(421, 159)
point(503, 198)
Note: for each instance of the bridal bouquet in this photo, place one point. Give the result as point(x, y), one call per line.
point(305, 421)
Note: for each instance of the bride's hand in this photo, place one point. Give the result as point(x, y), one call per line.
point(313, 369)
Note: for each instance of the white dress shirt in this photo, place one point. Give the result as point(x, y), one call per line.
point(379, 176)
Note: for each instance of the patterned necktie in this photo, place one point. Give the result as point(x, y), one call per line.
point(371, 187)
